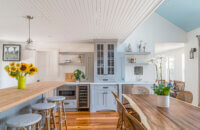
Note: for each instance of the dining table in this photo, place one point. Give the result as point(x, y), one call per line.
point(178, 116)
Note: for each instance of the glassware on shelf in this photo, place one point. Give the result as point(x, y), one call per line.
point(128, 48)
point(144, 47)
point(140, 46)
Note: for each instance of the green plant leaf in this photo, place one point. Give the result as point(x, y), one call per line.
point(78, 74)
point(161, 90)
point(166, 90)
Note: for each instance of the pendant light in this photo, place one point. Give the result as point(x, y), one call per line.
point(29, 42)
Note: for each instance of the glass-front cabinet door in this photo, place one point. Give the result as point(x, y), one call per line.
point(110, 59)
point(100, 59)
point(105, 64)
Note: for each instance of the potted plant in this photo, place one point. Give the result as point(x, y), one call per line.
point(20, 71)
point(159, 88)
point(162, 95)
point(78, 74)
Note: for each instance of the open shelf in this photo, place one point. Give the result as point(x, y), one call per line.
point(138, 63)
point(71, 63)
point(72, 53)
point(137, 53)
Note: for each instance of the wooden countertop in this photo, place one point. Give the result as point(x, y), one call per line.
point(179, 115)
point(11, 97)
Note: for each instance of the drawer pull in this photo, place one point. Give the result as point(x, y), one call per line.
point(105, 87)
point(66, 103)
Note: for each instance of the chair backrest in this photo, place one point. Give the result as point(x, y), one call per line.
point(131, 123)
point(179, 85)
point(140, 90)
point(114, 94)
point(185, 96)
point(120, 109)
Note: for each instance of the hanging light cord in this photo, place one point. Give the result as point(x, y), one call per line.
point(29, 27)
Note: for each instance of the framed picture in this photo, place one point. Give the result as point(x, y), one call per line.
point(11, 52)
point(138, 70)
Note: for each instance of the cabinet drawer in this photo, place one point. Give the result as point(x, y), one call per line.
point(70, 103)
point(106, 87)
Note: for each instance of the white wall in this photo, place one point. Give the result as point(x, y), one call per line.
point(66, 47)
point(192, 76)
point(179, 70)
point(155, 29)
point(27, 57)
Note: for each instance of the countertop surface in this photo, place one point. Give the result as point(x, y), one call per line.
point(108, 83)
point(11, 97)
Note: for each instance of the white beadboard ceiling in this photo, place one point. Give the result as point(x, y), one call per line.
point(72, 20)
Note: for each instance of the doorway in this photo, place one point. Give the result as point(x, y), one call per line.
point(174, 65)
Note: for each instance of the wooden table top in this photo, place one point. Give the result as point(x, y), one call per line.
point(179, 115)
point(11, 97)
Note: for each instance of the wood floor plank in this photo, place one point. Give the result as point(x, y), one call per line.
point(92, 120)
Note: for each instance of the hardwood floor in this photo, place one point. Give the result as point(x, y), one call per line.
point(92, 120)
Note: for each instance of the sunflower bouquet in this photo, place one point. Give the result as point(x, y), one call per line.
point(20, 71)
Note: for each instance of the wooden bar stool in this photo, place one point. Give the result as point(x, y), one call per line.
point(46, 109)
point(24, 121)
point(59, 100)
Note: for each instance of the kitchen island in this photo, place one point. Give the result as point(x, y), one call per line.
point(11, 97)
point(14, 101)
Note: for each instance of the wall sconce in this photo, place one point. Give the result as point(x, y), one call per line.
point(192, 51)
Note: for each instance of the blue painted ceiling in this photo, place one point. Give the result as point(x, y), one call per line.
point(183, 13)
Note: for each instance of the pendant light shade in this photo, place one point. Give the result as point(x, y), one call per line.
point(29, 42)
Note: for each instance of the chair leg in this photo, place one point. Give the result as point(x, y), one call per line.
point(48, 120)
point(9, 128)
point(53, 118)
point(38, 126)
point(63, 109)
point(24, 128)
point(60, 115)
point(118, 123)
point(32, 127)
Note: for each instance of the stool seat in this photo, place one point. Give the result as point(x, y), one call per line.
point(56, 98)
point(23, 120)
point(43, 106)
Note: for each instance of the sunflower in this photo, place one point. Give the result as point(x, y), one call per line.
point(7, 68)
point(31, 65)
point(13, 69)
point(13, 76)
point(12, 64)
point(18, 65)
point(32, 73)
point(23, 68)
point(33, 69)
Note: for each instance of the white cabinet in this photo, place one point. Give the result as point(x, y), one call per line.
point(102, 98)
point(105, 60)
